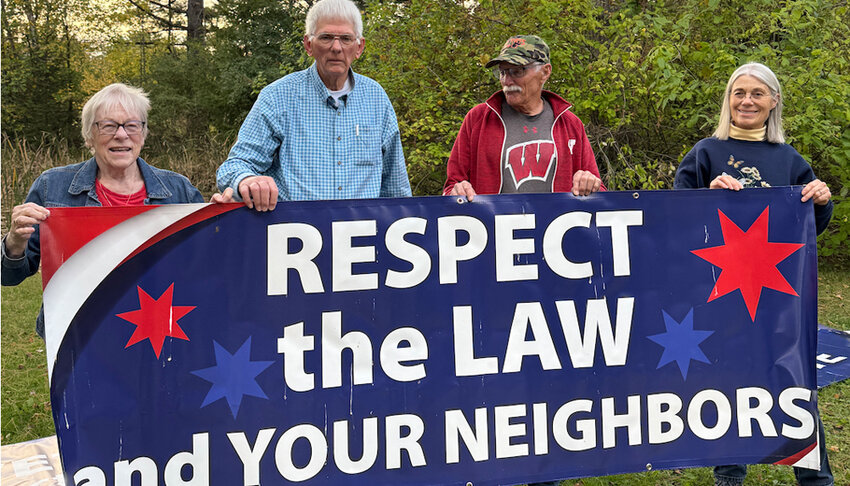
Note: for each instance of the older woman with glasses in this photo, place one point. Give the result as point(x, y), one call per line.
point(114, 126)
point(748, 149)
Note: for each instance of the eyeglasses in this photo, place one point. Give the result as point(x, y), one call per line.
point(109, 127)
point(327, 40)
point(754, 95)
point(516, 72)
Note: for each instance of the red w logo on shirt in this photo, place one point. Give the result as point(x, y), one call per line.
point(530, 160)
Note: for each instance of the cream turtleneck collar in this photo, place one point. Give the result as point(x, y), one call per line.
point(749, 135)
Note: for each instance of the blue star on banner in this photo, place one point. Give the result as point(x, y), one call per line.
point(681, 342)
point(233, 376)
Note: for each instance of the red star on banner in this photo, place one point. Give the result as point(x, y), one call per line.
point(748, 261)
point(156, 319)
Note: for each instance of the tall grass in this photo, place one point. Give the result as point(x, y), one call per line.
point(196, 159)
point(23, 161)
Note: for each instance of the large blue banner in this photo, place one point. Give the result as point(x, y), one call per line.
point(433, 341)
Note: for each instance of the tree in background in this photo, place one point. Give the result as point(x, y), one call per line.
point(177, 16)
point(428, 56)
point(41, 68)
point(204, 86)
point(255, 42)
point(180, 67)
point(645, 76)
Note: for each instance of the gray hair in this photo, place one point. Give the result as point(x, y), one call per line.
point(133, 100)
point(775, 133)
point(334, 10)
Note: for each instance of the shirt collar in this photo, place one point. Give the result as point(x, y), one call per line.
point(322, 91)
point(750, 135)
point(84, 180)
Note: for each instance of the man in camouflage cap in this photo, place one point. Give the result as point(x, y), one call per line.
point(523, 138)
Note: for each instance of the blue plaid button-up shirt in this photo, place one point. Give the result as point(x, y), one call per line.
point(315, 148)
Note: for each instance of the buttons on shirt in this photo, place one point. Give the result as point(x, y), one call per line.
point(339, 188)
point(339, 138)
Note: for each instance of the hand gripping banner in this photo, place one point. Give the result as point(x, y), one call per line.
point(430, 340)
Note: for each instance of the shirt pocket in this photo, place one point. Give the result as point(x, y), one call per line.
point(367, 146)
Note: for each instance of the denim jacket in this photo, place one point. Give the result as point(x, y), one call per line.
point(74, 186)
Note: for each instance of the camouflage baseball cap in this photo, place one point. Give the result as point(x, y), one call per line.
point(522, 50)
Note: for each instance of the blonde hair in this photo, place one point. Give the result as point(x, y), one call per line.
point(775, 133)
point(133, 100)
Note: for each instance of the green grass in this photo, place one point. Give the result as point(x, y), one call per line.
point(23, 366)
point(26, 404)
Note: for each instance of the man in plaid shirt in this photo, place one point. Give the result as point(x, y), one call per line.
point(322, 133)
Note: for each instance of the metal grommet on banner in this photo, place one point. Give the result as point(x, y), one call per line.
point(469, 483)
point(635, 195)
point(649, 466)
point(462, 200)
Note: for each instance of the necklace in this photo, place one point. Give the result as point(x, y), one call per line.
point(109, 202)
point(109, 198)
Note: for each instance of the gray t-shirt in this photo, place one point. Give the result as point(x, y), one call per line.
point(529, 156)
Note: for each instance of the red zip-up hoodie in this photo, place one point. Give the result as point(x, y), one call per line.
point(478, 148)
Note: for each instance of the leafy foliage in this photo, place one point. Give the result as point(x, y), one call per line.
point(429, 68)
point(200, 92)
point(40, 68)
point(257, 42)
point(645, 76)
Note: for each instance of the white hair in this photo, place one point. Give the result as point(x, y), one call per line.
point(133, 100)
point(775, 133)
point(334, 10)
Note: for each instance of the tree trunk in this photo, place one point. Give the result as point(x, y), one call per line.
point(9, 40)
point(195, 32)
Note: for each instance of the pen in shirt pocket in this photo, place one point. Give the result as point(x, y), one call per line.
point(357, 130)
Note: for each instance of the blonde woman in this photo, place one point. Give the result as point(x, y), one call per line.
point(748, 149)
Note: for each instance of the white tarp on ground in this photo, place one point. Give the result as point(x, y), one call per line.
point(33, 463)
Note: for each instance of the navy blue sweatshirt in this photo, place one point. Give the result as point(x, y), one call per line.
point(754, 164)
